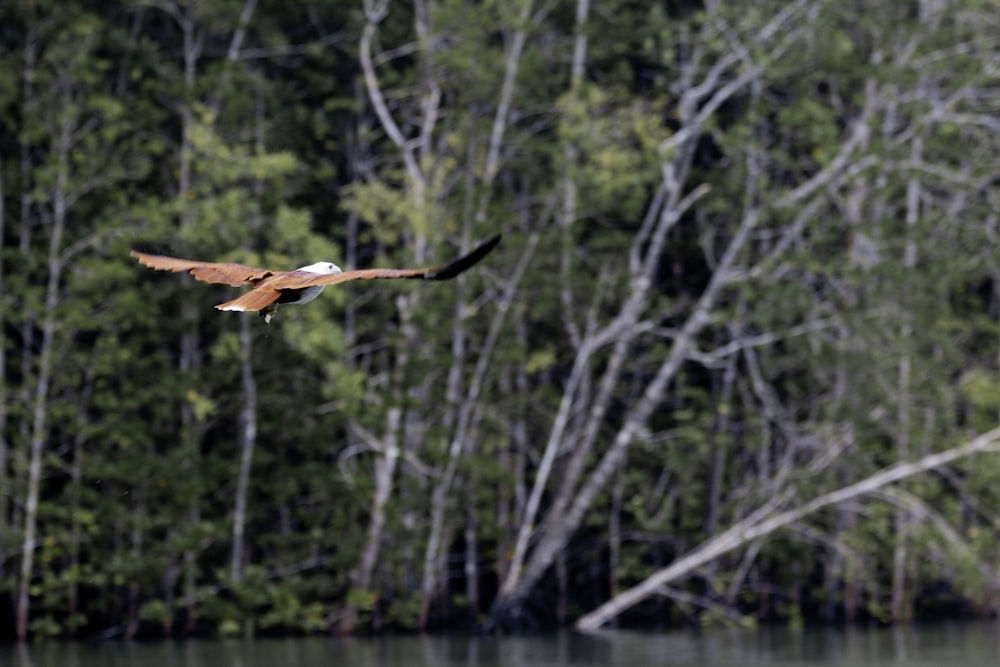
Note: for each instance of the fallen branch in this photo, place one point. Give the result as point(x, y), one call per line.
point(755, 527)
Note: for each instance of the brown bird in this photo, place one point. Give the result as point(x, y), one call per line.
point(301, 285)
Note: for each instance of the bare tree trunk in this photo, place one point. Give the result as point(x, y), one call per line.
point(25, 227)
point(720, 436)
point(513, 456)
point(132, 615)
point(471, 554)
point(454, 398)
point(571, 153)
point(39, 435)
point(76, 478)
point(388, 451)
point(615, 532)
point(76, 486)
point(248, 439)
point(40, 402)
point(375, 12)
point(5, 477)
point(562, 586)
point(190, 345)
point(385, 472)
point(248, 413)
point(899, 606)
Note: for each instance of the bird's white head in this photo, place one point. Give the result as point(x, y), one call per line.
point(324, 268)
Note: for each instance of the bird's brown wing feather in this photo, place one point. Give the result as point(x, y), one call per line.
point(254, 300)
point(210, 272)
point(298, 279)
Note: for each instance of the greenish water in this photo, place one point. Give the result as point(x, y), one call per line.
point(938, 645)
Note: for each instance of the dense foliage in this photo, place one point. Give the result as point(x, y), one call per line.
point(749, 261)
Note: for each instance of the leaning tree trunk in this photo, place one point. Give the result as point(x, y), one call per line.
point(771, 518)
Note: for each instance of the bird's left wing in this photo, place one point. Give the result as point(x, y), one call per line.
point(298, 279)
point(222, 273)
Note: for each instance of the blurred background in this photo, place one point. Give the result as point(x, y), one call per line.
point(735, 361)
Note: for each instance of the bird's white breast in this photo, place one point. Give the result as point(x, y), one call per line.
point(307, 294)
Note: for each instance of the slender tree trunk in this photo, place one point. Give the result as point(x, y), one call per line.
point(76, 487)
point(248, 413)
point(76, 477)
point(190, 352)
point(248, 439)
point(385, 472)
point(471, 554)
point(5, 477)
point(28, 323)
point(562, 588)
point(513, 456)
point(721, 434)
point(615, 532)
point(899, 605)
point(568, 212)
point(411, 152)
point(836, 573)
point(454, 399)
point(40, 402)
point(191, 578)
point(39, 435)
point(136, 538)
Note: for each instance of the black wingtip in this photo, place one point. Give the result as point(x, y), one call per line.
point(464, 262)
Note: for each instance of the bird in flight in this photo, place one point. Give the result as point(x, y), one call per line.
point(302, 285)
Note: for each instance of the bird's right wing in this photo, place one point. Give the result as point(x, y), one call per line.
point(222, 273)
point(300, 279)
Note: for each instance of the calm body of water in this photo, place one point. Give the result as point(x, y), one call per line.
point(939, 645)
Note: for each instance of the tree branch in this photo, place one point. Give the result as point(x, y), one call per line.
point(756, 527)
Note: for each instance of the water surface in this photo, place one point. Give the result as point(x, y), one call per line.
point(972, 644)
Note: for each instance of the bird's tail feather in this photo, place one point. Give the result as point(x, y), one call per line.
point(252, 301)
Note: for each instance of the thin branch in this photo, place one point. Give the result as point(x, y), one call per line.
point(679, 595)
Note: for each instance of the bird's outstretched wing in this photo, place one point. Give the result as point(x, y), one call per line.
point(210, 272)
point(299, 279)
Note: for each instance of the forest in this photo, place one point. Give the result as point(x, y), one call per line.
point(736, 359)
